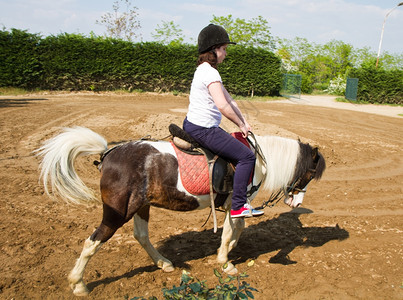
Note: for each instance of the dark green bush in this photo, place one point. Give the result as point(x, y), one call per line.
point(19, 60)
point(251, 71)
point(76, 62)
point(376, 85)
point(79, 63)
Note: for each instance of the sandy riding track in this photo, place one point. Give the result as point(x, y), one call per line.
point(345, 243)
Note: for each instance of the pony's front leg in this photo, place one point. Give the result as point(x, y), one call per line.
point(76, 275)
point(141, 234)
point(232, 230)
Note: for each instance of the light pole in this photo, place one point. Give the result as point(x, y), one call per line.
point(383, 27)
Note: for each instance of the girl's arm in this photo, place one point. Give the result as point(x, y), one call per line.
point(228, 106)
point(236, 109)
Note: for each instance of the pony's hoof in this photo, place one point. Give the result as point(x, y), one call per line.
point(168, 268)
point(79, 289)
point(230, 269)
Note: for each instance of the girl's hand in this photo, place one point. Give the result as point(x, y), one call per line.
point(245, 128)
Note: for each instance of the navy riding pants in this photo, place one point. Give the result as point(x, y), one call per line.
point(224, 145)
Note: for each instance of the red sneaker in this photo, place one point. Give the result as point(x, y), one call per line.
point(245, 212)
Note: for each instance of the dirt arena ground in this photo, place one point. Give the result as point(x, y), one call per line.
point(345, 243)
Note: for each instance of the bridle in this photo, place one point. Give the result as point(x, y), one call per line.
point(298, 185)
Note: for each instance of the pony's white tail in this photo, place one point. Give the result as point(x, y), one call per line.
point(57, 166)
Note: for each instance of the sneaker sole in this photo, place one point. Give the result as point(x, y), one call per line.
point(242, 216)
point(257, 215)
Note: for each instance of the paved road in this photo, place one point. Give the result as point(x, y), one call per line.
point(329, 101)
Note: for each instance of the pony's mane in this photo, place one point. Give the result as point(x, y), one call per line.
point(281, 155)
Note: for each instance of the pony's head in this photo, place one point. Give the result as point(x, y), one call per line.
point(310, 165)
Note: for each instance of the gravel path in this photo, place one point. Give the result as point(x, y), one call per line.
point(329, 101)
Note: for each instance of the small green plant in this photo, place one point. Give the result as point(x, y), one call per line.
point(229, 287)
point(228, 290)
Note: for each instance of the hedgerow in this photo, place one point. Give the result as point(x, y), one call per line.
point(75, 62)
point(20, 65)
point(376, 85)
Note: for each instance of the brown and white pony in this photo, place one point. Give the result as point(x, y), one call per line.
point(138, 174)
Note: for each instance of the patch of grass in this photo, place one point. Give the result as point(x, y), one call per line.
point(10, 91)
point(342, 99)
point(316, 92)
point(258, 98)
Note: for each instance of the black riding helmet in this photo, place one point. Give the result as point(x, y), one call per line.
point(211, 36)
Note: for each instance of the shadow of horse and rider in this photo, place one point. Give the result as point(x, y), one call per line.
point(283, 234)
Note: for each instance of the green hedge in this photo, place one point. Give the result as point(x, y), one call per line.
point(379, 85)
point(20, 65)
point(76, 62)
point(251, 71)
point(79, 63)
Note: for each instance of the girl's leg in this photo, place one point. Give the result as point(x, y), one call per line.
point(227, 147)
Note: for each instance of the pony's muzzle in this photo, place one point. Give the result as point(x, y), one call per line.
point(295, 200)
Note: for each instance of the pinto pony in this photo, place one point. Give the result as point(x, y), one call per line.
point(138, 174)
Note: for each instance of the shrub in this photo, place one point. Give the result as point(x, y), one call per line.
point(19, 62)
point(191, 289)
point(251, 71)
point(75, 62)
point(337, 86)
point(377, 85)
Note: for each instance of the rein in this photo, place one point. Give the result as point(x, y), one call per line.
point(258, 151)
point(281, 194)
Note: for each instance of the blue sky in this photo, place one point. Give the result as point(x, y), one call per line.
point(357, 22)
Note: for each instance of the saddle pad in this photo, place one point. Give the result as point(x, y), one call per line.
point(193, 170)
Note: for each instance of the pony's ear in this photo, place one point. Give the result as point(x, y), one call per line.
point(315, 154)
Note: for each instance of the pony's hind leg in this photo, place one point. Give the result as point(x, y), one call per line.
point(91, 246)
point(76, 275)
point(140, 232)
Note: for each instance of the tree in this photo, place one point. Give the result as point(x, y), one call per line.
point(121, 25)
point(296, 50)
point(392, 61)
point(168, 33)
point(339, 55)
point(254, 32)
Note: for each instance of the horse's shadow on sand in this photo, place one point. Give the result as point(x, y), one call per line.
point(283, 234)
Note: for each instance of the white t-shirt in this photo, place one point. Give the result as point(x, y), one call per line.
point(202, 109)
